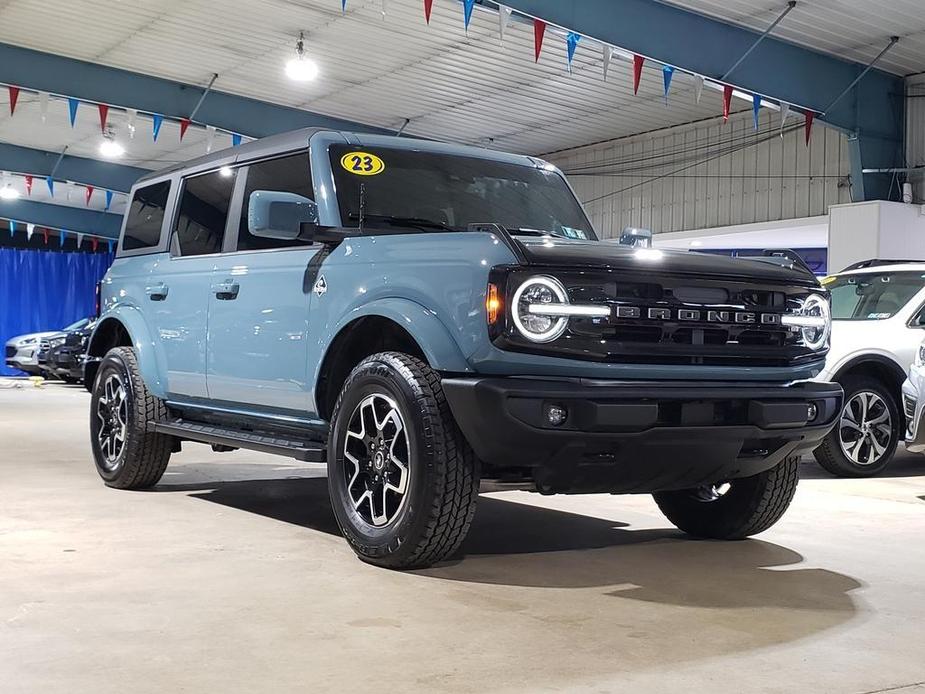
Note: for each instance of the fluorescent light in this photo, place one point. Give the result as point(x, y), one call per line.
point(8, 192)
point(111, 149)
point(301, 69)
point(225, 171)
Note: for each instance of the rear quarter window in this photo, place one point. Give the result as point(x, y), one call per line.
point(145, 216)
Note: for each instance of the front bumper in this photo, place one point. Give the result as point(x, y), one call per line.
point(631, 436)
point(914, 411)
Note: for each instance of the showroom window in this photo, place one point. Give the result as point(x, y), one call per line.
point(146, 216)
point(290, 174)
point(200, 225)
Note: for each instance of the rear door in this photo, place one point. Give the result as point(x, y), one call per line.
point(180, 286)
point(258, 311)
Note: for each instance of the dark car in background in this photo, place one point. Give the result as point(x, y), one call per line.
point(61, 355)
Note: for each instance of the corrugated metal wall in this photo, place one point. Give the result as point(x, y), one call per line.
point(915, 133)
point(710, 174)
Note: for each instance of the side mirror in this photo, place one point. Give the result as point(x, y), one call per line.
point(274, 214)
point(639, 238)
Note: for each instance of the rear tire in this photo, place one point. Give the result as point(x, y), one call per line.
point(839, 453)
point(749, 506)
point(402, 479)
point(127, 452)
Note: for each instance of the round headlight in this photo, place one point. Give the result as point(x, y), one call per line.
point(536, 291)
point(815, 337)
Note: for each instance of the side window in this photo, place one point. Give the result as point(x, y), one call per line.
point(145, 217)
point(200, 222)
point(290, 174)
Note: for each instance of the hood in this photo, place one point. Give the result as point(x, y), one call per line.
point(613, 256)
point(30, 336)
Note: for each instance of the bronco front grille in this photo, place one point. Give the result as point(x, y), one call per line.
point(663, 319)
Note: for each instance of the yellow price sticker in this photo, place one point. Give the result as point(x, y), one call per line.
point(362, 163)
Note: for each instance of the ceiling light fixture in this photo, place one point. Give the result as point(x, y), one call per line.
point(301, 68)
point(109, 148)
point(8, 192)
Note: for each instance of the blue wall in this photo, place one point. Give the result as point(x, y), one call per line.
point(46, 290)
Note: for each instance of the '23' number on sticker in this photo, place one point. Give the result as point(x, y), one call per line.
point(362, 163)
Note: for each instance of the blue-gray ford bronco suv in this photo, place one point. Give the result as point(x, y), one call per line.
point(426, 318)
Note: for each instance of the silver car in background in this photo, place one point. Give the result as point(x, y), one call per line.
point(22, 351)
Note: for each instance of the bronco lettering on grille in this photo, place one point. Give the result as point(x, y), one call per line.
point(688, 314)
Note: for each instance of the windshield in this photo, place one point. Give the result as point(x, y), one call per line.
point(428, 191)
point(76, 326)
point(872, 296)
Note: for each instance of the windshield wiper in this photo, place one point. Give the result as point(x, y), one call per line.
point(526, 231)
point(418, 222)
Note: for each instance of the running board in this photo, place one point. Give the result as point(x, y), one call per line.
point(265, 442)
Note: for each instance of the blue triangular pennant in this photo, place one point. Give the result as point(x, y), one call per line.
point(109, 242)
point(667, 74)
point(756, 107)
point(12, 228)
point(235, 139)
point(571, 43)
point(50, 182)
point(108, 200)
point(72, 105)
point(62, 234)
point(467, 12)
point(156, 121)
point(343, 6)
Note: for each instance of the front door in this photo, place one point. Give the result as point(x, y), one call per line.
point(259, 304)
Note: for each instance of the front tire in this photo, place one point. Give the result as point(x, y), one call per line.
point(735, 510)
point(127, 452)
point(402, 479)
point(864, 441)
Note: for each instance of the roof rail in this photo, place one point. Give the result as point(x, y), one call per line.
point(877, 262)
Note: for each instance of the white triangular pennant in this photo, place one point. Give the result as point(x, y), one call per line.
point(698, 87)
point(80, 240)
point(43, 106)
point(607, 56)
point(29, 229)
point(504, 18)
point(131, 115)
point(210, 138)
point(784, 112)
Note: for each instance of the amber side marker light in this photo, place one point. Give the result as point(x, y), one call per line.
point(492, 304)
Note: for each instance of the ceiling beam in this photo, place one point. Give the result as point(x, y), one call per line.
point(872, 111)
point(40, 163)
point(76, 219)
point(87, 81)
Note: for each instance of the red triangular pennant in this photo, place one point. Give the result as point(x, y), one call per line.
point(88, 194)
point(638, 60)
point(808, 125)
point(184, 124)
point(29, 185)
point(428, 5)
point(45, 235)
point(539, 31)
point(14, 97)
point(727, 101)
point(104, 114)
point(94, 242)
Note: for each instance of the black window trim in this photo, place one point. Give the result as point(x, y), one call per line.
point(161, 245)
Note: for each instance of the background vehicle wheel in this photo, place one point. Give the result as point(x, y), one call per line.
point(403, 480)
point(736, 509)
point(864, 441)
point(127, 452)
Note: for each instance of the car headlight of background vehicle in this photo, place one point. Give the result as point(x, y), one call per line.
point(920, 355)
point(56, 341)
point(813, 319)
point(28, 341)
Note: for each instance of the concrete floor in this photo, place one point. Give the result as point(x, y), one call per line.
point(231, 577)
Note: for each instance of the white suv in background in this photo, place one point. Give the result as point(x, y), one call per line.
point(877, 326)
point(22, 351)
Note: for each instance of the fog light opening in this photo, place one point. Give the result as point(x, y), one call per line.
point(812, 411)
point(556, 415)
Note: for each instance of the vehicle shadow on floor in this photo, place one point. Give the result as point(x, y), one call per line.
point(517, 544)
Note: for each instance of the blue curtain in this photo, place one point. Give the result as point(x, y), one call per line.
point(46, 290)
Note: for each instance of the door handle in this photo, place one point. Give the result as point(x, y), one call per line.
point(157, 292)
point(226, 291)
